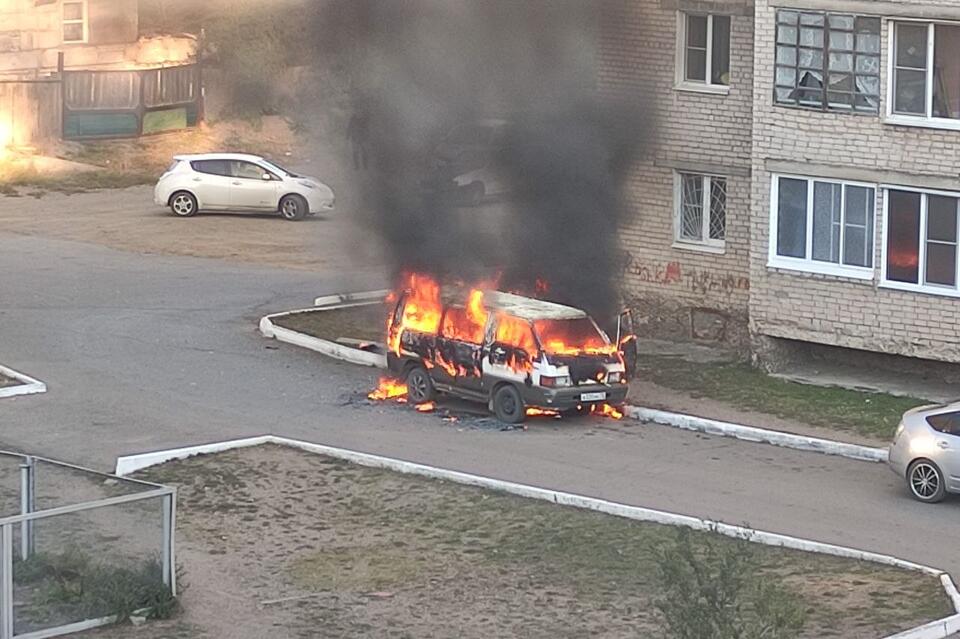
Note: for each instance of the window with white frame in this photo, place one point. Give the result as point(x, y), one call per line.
point(701, 216)
point(925, 66)
point(827, 61)
point(822, 226)
point(921, 246)
point(704, 46)
point(75, 21)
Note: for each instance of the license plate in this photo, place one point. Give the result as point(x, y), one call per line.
point(592, 397)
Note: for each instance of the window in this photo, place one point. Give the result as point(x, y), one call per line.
point(947, 423)
point(921, 247)
point(212, 167)
point(926, 73)
point(705, 50)
point(247, 170)
point(701, 215)
point(822, 226)
point(75, 21)
point(828, 61)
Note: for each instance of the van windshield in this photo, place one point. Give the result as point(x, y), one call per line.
point(572, 337)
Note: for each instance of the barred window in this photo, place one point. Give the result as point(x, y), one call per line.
point(701, 209)
point(827, 61)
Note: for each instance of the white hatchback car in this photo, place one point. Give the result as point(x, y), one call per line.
point(239, 182)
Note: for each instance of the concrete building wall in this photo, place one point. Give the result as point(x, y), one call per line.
point(678, 289)
point(838, 310)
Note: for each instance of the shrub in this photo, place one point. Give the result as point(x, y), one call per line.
point(711, 589)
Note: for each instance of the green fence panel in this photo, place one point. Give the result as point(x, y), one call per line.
point(165, 120)
point(98, 125)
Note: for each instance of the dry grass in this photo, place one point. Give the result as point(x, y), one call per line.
point(364, 552)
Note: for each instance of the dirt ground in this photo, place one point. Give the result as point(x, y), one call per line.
point(366, 322)
point(7, 381)
point(280, 543)
point(127, 219)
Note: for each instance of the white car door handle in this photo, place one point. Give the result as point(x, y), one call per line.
point(943, 444)
point(196, 179)
point(236, 183)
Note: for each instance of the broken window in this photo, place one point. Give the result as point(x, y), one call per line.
point(922, 238)
point(75, 21)
point(706, 49)
point(827, 61)
point(701, 209)
point(824, 222)
point(926, 69)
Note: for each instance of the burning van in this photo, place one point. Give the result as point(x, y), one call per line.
point(518, 355)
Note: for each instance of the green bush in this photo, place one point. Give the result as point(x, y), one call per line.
point(710, 589)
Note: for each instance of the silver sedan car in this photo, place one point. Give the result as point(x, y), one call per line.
point(926, 451)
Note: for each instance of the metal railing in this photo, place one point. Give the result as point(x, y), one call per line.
point(80, 539)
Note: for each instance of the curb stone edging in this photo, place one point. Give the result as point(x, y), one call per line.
point(939, 629)
point(28, 385)
point(639, 413)
point(339, 299)
point(323, 346)
point(759, 435)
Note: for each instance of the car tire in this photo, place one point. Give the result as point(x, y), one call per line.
point(925, 481)
point(508, 405)
point(293, 207)
point(475, 193)
point(183, 204)
point(420, 387)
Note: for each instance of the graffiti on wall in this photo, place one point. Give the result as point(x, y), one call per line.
point(698, 280)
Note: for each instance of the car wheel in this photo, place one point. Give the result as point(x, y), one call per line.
point(183, 204)
point(293, 207)
point(925, 481)
point(419, 386)
point(475, 193)
point(508, 405)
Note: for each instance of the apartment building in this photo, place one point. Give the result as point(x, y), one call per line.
point(841, 119)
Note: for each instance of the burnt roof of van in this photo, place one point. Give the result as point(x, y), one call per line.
point(528, 308)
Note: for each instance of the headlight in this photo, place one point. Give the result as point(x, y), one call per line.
point(613, 378)
point(556, 382)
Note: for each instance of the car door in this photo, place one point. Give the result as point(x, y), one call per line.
point(211, 183)
point(249, 189)
point(947, 442)
point(458, 354)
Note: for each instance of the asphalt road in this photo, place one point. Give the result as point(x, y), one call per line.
point(142, 352)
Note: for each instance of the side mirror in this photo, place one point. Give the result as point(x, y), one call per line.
point(266, 177)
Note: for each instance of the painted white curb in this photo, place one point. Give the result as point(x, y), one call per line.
point(753, 434)
point(344, 298)
point(324, 346)
point(27, 386)
point(937, 629)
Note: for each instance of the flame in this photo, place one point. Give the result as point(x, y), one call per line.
point(606, 410)
point(570, 338)
point(425, 407)
point(421, 309)
point(535, 412)
point(388, 388)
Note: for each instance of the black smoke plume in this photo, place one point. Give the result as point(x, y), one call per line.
point(417, 68)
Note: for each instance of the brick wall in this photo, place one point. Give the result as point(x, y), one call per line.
point(836, 310)
point(698, 132)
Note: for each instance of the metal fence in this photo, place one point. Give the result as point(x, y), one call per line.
point(79, 547)
point(109, 104)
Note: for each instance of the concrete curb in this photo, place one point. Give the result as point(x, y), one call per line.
point(339, 299)
point(760, 435)
point(28, 385)
point(639, 413)
point(323, 346)
point(934, 630)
